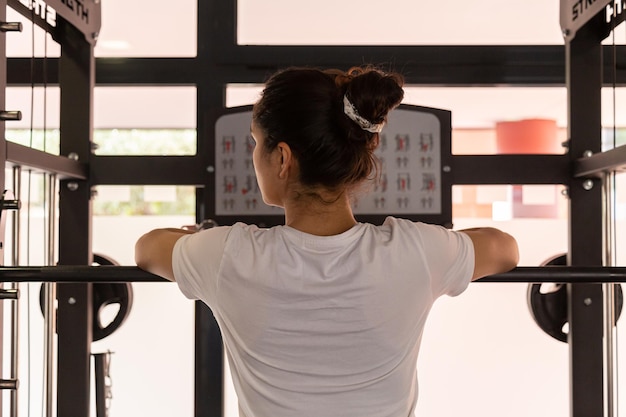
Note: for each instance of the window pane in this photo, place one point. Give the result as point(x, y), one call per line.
point(242, 94)
point(145, 141)
point(38, 128)
point(152, 331)
point(399, 22)
point(144, 28)
point(472, 107)
point(514, 357)
point(126, 200)
point(145, 120)
point(613, 114)
point(479, 107)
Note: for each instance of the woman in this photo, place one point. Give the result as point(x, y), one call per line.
point(323, 316)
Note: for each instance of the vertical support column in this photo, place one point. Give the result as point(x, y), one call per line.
point(3, 156)
point(585, 313)
point(212, 35)
point(76, 80)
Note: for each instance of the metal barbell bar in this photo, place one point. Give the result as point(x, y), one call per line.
point(80, 273)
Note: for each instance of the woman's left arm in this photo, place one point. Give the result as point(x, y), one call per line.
point(153, 251)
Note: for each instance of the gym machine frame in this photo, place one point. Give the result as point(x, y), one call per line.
point(220, 60)
point(76, 78)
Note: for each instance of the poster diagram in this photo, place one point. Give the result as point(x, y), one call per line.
point(409, 180)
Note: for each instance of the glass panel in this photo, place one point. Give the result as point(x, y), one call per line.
point(510, 360)
point(509, 202)
point(399, 22)
point(145, 120)
point(145, 141)
point(126, 200)
point(144, 28)
point(39, 127)
point(479, 107)
point(154, 341)
point(613, 117)
point(242, 94)
point(32, 41)
point(153, 346)
point(498, 317)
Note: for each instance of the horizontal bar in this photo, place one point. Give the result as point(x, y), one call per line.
point(109, 71)
point(64, 167)
point(510, 169)
point(77, 273)
point(452, 65)
point(118, 71)
point(560, 274)
point(108, 273)
point(148, 170)
point(601, 163)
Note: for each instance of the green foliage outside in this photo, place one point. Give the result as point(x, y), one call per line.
point(136, 205)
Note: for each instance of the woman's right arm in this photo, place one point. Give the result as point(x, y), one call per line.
point(494, 251)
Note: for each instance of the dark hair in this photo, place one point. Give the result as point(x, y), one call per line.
point(304, 107)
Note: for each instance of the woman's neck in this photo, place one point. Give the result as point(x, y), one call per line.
point(314, 216)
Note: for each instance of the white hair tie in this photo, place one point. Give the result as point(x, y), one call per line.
point(350, 111)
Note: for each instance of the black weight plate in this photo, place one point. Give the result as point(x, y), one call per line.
point(103, 295)
point(548, 306)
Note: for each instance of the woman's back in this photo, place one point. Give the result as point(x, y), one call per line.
point(326, 325)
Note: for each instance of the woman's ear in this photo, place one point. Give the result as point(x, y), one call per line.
point(286, 159)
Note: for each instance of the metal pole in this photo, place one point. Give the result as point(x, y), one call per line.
point(50, 308)
point(610, 329)
point(17, 191)
point(49, 333)
point(15, 310)
point(52, 198)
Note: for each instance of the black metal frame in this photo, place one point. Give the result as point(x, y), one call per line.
point(75, 70)
point(3, 84)
point(583, 65)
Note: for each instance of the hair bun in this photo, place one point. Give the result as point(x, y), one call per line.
point(372, 94)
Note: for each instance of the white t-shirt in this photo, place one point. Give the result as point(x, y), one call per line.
point(323, 325)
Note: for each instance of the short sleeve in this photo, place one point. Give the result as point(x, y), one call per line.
point(196, 261)
point(450, 258)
